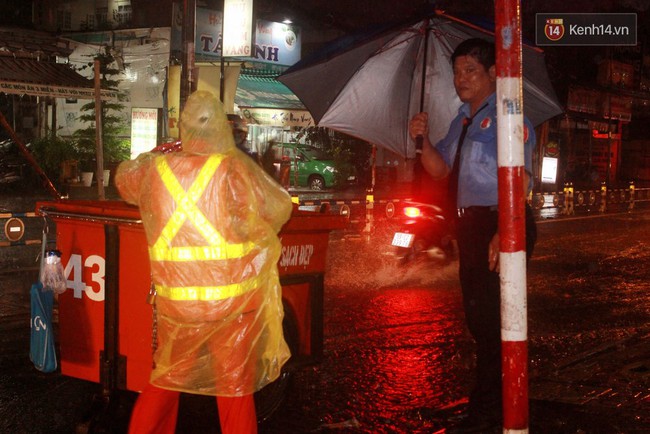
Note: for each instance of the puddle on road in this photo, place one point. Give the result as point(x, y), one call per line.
point(395, 342)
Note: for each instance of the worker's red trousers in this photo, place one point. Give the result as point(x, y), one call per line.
point(156, 411)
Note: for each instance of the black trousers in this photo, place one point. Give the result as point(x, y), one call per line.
point(481, 301)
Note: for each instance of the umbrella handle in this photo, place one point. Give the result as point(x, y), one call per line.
point(419, 140)
point(425, 53)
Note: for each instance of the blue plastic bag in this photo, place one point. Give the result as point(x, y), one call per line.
point(42, 350)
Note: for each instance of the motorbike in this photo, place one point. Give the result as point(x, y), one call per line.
point(423, 231)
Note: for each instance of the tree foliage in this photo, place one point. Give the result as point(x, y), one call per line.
point(116, 148)
point(51, 151)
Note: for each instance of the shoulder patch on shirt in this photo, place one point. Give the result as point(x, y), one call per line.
point(525, 133)
point(486, 122)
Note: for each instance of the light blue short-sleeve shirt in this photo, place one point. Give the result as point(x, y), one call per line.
point(477, 178)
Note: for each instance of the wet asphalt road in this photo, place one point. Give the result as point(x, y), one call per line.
point(396, 350)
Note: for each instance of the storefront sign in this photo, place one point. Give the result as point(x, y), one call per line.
point(277, 43)
point(278, 117)
point(144, 130)
point(549, 170)
point(616, 107)
point(274, 44)
point(598, 135)
point(237, 28)
point(55, 91)
point(583, 100)
point(552, 149)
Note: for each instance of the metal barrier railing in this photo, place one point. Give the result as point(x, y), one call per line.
point(49, 212)
point(363, 214)
point(569, 201)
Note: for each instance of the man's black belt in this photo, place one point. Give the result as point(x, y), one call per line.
point(476, 210)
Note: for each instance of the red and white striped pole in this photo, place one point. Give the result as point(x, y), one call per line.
point(512, 221)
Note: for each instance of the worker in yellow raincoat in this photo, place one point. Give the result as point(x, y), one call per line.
point(211, 218)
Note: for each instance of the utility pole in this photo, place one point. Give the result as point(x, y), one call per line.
point(188, 78)
point(99, 131)
point(512, 216)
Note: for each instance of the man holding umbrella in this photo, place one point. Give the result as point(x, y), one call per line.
point(468, 155)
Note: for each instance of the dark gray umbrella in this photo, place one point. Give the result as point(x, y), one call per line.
point(369, 85)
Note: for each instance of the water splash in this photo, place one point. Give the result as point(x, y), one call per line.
point(370, 261)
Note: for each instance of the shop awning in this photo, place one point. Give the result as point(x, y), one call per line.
point(265, 101)
point(265, 92)
point(24, 76)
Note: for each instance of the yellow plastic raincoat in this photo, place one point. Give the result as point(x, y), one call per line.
point(211, 217)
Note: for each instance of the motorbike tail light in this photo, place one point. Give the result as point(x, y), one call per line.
point(412, 211)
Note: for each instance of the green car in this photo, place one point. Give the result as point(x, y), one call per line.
point(315, 168)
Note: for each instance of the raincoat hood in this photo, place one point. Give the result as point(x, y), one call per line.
point(204, 125)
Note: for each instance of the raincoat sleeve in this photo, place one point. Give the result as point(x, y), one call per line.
point(251, 191)
point(130, 174)
point(275, 202)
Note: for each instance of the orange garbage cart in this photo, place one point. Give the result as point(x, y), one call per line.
point(105, 322)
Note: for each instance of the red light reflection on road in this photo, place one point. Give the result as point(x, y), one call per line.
point(400, 350)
